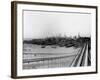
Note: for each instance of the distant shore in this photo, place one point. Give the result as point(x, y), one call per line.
point(60, 41)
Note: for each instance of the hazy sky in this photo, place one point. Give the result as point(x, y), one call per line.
point(38, 24)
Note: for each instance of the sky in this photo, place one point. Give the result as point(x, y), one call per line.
point(41, 24)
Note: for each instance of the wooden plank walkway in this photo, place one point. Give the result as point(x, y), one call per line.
point(82, 58)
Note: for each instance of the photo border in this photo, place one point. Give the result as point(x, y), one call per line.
point(14, 37)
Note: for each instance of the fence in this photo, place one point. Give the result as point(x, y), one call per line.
point(80, 59)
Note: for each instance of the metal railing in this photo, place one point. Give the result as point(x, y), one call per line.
point(82, 58)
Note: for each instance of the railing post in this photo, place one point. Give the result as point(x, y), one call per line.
point(86, 56)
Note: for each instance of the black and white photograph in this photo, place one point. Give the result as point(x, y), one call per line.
point(56, 39)
point(53, 39)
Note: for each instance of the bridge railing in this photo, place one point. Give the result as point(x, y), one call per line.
point(82, 57)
